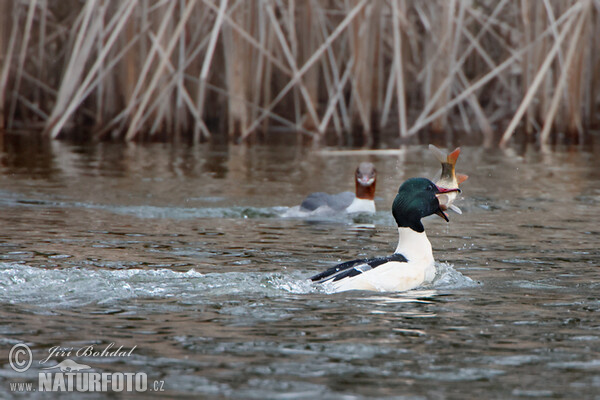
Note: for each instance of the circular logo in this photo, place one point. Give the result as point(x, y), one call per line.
point(20, 357)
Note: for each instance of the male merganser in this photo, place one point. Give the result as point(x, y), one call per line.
point(365, 179)
point(412, 263)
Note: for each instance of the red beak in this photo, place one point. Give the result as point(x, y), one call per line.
point(441, 190)
point(445, 190)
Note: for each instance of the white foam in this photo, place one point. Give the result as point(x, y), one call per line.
point(78, 286)
point(74, 286)
point(447, 277)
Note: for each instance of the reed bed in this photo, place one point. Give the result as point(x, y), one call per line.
point(330, 69)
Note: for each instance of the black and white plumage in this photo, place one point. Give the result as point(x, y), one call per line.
point(412, 263)
point(352, 268)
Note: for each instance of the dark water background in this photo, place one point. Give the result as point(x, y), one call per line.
point(181, 251)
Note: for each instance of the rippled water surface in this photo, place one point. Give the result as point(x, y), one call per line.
point(181, 254)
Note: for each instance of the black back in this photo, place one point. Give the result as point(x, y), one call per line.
point(355, 267)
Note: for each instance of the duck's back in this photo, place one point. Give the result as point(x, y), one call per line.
point(337, 202)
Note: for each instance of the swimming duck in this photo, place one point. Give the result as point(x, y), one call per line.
point(412, 263)
point(365, 179)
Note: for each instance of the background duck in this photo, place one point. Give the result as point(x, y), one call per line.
point(363, 200)
point(412, 263)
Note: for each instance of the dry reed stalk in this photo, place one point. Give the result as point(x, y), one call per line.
point(72, 73)
point(593, 68)
point(576, 73)
point(100, 83)
point(365, 51)
point(250, 40)
point(336, 97)
point(268, 74)
point(35, 82)
point(133, 101)
point(207, 64)
point(360, 71)
point(103, 75)
point(545, 103)
point(322, 66)
point(21, 61)
point(288, 21)
point(482, 120)
point(256, 83)
point(169, 86)
point(331, 112)
point(537, 109)
point(424, 118)
point(510, 61)
point(130, 61)
point(133, 126)
point(566, 72)
point(115, 26)
point(484, 54)
point(398, 69)
point(285, 122)
point(444, 33)
point(42, 72)
point(307, 47)
point(236, 73)
point(337, 84)
point(179, 122)
point(537, 80)
point(6, 49)
point(527, 62)
point(32, 107)
point(158, 105)
point(317, 54)
point(293, 66)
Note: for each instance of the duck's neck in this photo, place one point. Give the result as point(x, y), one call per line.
point(414, 245)
point(365, 192)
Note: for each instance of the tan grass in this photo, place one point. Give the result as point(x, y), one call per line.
point(329, 69)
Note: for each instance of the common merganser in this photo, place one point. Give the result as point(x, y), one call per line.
point(365, 179)
point(448, 178)
point(412, 263)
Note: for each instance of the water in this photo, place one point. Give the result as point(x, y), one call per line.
point(180, 254)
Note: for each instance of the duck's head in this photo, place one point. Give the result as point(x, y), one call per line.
point(416, 199)
point(365, 179)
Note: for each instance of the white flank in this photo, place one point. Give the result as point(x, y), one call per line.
point(395, 276)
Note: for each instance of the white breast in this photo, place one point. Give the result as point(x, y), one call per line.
point(361, 205)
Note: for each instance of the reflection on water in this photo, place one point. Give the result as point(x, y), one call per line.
point(182, 252)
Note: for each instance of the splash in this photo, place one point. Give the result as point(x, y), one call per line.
point(75, 286)
point(449, 278)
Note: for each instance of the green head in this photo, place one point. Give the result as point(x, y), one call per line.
point(417, 199)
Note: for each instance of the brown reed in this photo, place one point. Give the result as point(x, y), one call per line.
point(330, 69)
